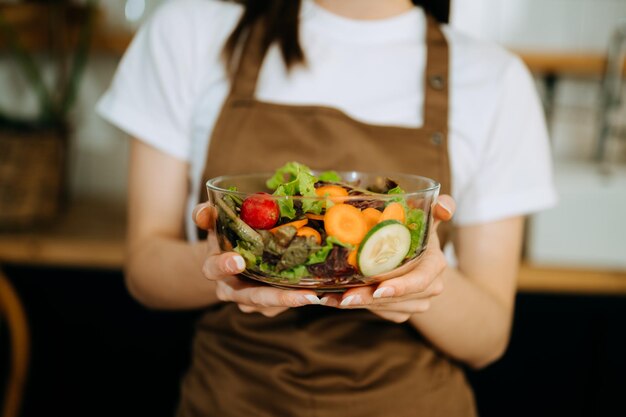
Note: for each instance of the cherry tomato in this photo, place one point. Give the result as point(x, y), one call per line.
point(260, 211)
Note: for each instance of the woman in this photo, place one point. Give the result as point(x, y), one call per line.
point(334, 84)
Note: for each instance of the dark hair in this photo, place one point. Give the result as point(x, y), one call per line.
point(281, 18)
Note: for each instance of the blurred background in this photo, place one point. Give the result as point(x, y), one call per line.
point(72, 342)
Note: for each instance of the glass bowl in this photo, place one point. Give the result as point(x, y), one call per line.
point(358, 229)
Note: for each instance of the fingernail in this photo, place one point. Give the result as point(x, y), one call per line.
point(446, 208)
point(196, 213)
point(351, 300)
point(384, 292)
point(309, 299)
point(235, 264)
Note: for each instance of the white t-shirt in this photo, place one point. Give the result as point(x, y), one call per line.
point(171, 85)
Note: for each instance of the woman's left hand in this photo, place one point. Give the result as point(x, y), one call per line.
point(397, 299)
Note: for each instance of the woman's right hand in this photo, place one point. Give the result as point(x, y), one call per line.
point(222, 268)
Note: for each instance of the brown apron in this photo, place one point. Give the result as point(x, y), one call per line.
point(315, 360)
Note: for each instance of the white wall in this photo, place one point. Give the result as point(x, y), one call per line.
point(553, 25)
point(572, 25)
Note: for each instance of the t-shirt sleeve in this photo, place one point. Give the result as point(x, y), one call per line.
point(515, 175)
point(150, 97)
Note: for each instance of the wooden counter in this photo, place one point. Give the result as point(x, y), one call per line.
point(584, 64)
point(91, 235)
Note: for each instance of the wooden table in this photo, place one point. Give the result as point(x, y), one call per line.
point(91, 235)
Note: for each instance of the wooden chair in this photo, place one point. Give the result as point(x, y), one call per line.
point(12, 314)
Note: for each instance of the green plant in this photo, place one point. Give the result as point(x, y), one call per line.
point(56, 100)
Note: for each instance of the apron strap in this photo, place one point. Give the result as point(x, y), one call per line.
point(436, 108)
point(436, 80)
point(250, 62)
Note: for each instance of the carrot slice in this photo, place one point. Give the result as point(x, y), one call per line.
point(296, 223)
point(332, 191)
point(352, 257)
point(393, 211)
point(372, 216)
point(312, 216)
point(309, 231)
point(346, 223)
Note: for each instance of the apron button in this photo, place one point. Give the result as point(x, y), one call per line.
point(436, 138)
point(436, 82)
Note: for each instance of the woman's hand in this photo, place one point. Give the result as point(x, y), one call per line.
point(397, 299)
point(222, 268)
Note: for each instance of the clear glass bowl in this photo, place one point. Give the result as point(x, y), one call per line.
point(340, 252)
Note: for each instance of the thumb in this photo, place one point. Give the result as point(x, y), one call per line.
point(444, 208)
point(204, 215)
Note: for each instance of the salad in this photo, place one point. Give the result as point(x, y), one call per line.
point(320, 229)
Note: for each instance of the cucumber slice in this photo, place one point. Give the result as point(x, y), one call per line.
point(383, 248)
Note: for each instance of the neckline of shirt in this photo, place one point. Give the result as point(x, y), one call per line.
point(407, 26)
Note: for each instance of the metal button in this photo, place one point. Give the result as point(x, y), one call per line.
point(436, 81)
point(436, 138)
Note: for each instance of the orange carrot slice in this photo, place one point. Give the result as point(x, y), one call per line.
point(309, 231)
point(312, 216)
point(352, 258)
point(334, 192)
point(346, 223)
point(393, 211)
point(296, 223)
point(372, 216)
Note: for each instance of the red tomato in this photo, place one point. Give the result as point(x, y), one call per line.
point(260, 211)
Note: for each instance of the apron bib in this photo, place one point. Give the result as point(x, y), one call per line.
point(315, 360)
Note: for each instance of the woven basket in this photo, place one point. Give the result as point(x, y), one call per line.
point(32, 177)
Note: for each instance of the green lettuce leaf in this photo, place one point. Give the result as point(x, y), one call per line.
point(287, 174)
point(398, 199)
point(293, 275)
point(416, 222)
point(295, 179)
point(330, 176)
point(248, 256)
point(321, 255)
point(285, 205)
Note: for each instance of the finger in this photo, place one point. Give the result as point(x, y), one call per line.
point(363, 298)
point(412, 306)
point(273, 311)
point(242, 292)
point(219, 266)
point(393, 316)
point(435, 288)
point(203, 215)
point(418, 280)
point(330, 300)
point(445, 208)
point(357, 297)
point(246, 308)
point(266, 311)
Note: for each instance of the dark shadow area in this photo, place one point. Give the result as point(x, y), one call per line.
point(96, 352)
point(567, 357)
